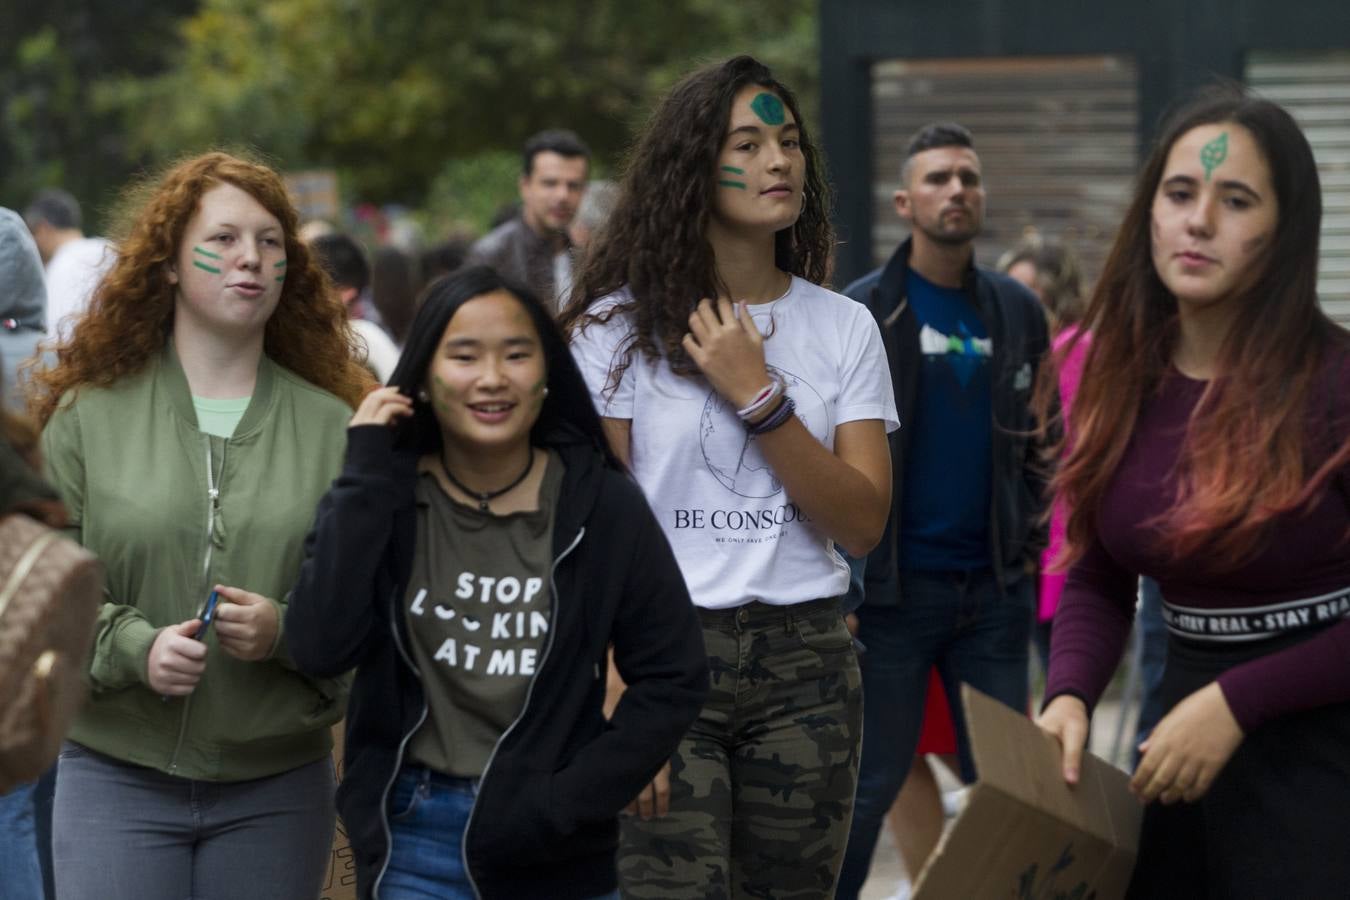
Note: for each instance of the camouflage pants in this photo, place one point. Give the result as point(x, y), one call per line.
point(761, 788)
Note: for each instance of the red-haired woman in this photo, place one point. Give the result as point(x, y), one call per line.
point(1209, 448)
point(192, 422)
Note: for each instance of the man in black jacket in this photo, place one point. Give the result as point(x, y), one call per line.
point(534, 248)
point(952, 583)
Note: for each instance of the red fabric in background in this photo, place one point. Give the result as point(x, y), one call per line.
point(939, 734)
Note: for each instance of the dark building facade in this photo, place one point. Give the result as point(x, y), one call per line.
point(1063, 98)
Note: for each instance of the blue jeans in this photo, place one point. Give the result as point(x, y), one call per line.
point(427, 816)
point(974, 633)
point(1152, 661)
point(20, 875)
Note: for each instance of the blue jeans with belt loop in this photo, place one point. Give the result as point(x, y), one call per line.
point(427, 815)
point(428, 812)
point(974, 632)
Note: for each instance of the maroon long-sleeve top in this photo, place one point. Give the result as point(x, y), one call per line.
point(1304, 556)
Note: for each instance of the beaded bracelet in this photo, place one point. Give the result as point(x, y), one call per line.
point(771, 392)
point(776, 419)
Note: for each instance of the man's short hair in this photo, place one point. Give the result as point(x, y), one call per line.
point(932, 136)
point(54, 206)
point(556, 140)
point(343, 259)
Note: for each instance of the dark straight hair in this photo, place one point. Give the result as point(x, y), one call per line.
point(568, 406)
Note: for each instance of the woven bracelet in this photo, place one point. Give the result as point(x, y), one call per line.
point(775, 419)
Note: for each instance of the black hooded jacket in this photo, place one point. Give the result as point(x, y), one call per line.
point(545, 821)
point(1017, 325)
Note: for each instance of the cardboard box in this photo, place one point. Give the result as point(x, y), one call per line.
point(341, 881)
point(1026, 835)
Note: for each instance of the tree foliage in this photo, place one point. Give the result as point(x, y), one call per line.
point(54, 56)
point(388, 92)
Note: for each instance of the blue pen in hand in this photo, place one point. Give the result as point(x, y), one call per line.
point(206, 615)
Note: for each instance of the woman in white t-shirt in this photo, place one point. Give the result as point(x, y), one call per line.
point(752, 406)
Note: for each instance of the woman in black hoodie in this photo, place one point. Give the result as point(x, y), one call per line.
point(480, 551)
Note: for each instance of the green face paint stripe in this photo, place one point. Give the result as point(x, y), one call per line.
point(280, 265)
point(1213, 153)
point(207, 253)
point(739, 185)
point(733, 170)
point(281, 278)
point(437, 401)
point(201, 265)
point(769, 108)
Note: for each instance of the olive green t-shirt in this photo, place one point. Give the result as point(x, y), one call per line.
point(478, 609)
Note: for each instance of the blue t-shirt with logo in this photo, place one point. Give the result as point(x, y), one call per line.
point(944, 521)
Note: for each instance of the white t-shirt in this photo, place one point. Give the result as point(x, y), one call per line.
point(381, 351)
point(73, 273)
point(737, 535)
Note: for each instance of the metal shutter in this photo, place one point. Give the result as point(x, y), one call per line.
point(1057, 139)
point(1315, 88)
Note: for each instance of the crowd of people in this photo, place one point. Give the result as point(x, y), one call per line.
point(638, 562)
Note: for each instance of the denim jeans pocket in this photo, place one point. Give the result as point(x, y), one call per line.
point(824, 633)
point(409, 792)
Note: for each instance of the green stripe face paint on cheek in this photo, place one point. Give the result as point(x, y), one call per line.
point(769, 109)
point(1213, 153)
point(733, 170)
point(280, 265)
point(438, 395)
point(738, 185)
point(201, 265)
point(207, 253)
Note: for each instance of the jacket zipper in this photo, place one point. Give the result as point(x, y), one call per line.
point(402, 746)
point(555, 600)
point(212, 511)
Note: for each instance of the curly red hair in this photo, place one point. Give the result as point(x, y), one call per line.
point(130, 315)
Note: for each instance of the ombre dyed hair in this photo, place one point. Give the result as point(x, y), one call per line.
point(1255, 447)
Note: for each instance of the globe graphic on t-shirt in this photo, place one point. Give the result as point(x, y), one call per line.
point(732, 454)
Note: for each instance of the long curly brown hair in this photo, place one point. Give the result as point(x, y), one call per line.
point(655, 242)
point(130, 315)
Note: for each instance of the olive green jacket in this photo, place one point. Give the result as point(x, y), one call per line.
point(132, 468)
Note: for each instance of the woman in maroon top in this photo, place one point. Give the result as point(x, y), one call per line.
point(1209, 449)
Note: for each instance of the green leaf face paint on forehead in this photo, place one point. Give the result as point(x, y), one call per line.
point(1214, 153)
point(769, 108)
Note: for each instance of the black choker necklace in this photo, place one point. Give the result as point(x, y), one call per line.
point(483, 497)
